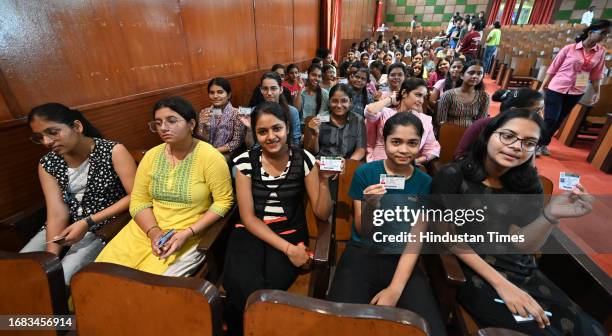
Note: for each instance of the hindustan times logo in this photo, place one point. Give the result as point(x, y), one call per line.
point(412, 216)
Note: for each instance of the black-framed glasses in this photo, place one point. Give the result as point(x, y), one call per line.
point(507, 138)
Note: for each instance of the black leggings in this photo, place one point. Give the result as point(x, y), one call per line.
point(361, 275)
point(251, 265)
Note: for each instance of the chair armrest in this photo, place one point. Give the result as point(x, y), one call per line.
point(110, 229)
point(211, 234)
point(498, 332)
point(323, 246)
point(19, 228)
point(452, 269)
point(320, 272)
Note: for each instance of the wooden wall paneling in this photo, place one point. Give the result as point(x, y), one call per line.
point(154, 40)
point(5, 114)
point(19, 156)
point(274, 32)
point(59, 51)
point(220, 37)
point(306, 28)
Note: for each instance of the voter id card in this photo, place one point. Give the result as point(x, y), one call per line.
point(330, 163)
point(567, 181)
point(323, 118)
point(392, 181)
point(217, 111)
point(245, 110)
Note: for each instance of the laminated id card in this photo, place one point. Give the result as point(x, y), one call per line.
point(567, 181)
point(244, 110)
point(217, 111)
point(323, 118)
point(329, 163)
point(392, 181)
point(582, 79)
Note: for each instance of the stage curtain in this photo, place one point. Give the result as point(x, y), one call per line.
point(493, 13)
point(542, 12)
point(508, 10)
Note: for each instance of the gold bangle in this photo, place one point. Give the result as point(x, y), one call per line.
point(151, 228)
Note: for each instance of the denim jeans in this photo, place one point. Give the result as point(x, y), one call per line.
point(488, 57)
point(80, 254)
point(557, 106)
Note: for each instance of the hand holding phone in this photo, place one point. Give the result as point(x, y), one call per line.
point(164, 239)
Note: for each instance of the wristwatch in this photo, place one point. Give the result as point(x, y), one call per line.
point(90, 222)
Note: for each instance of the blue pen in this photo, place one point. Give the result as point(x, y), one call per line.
point(502, 302)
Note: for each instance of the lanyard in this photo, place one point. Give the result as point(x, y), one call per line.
point(586, 58)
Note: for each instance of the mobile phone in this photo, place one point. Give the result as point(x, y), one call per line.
point(164, 239)
point(58, 240)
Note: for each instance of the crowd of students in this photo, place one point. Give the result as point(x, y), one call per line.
point(267, 161)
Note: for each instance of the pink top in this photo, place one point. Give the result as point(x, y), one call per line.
point(440, 85)
point(375, 141)
point(570, 62)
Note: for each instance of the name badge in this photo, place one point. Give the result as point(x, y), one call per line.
point(330, 163)
point(244, 110)
point(582, 80)
point(392, 181)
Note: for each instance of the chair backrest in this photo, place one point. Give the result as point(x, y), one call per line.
point(273, 312)
point(522, 66)
point(450, 135)
point(604, 105)
point(32, 284)
point(111, 299)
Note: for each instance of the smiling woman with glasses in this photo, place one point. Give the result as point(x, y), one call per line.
point(499, 167)
point(182, 185)
point(86, 181)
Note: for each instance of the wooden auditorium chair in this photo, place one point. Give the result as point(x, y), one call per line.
point(272, 313)
point(518, 73)
point(111, 299)
point(449, 136)
point(32, 284)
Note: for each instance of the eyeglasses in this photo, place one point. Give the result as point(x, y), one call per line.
point(507, 138)
point(156, 125)
point(269, 89)
point(51, 133)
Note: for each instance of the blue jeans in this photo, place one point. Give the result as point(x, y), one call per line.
point(80, 254)
point(488, 57)
point(557, 106)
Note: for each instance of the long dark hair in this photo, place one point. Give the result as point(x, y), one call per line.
point(281, 99)
point(521, 98)
point(62, 114)
point(274, 109)
point(602, 24)
point(318, 89)
point(520, 179)
point(448, 83)
point(364, 90)
point(479, 86)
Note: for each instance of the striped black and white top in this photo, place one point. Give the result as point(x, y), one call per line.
point(273, 210)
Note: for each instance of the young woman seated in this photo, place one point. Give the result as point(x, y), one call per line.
point(86, 181)
point(448, 82)
point(314, 99)
point(223, 129)
point(498, 165)
point(344, 135)
point(373, 272)
point(268, 247)
point(410, 100)
point(183, 185)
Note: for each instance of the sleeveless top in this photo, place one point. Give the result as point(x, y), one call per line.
point(290, 191)
point(103, 188)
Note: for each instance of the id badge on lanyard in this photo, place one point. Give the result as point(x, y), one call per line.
point(582, 79)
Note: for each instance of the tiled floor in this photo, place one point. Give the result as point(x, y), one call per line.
point(573, 159)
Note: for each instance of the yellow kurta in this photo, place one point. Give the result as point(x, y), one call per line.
point(178, 196)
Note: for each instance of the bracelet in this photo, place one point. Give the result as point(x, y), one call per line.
point(287, 249)
point(550, 220)
point(90, 222)
point(192, 232)
point(151, 228)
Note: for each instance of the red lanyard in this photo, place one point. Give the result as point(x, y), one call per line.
point(586, 58)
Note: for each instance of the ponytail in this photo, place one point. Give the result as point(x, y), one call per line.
point(62, 114)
